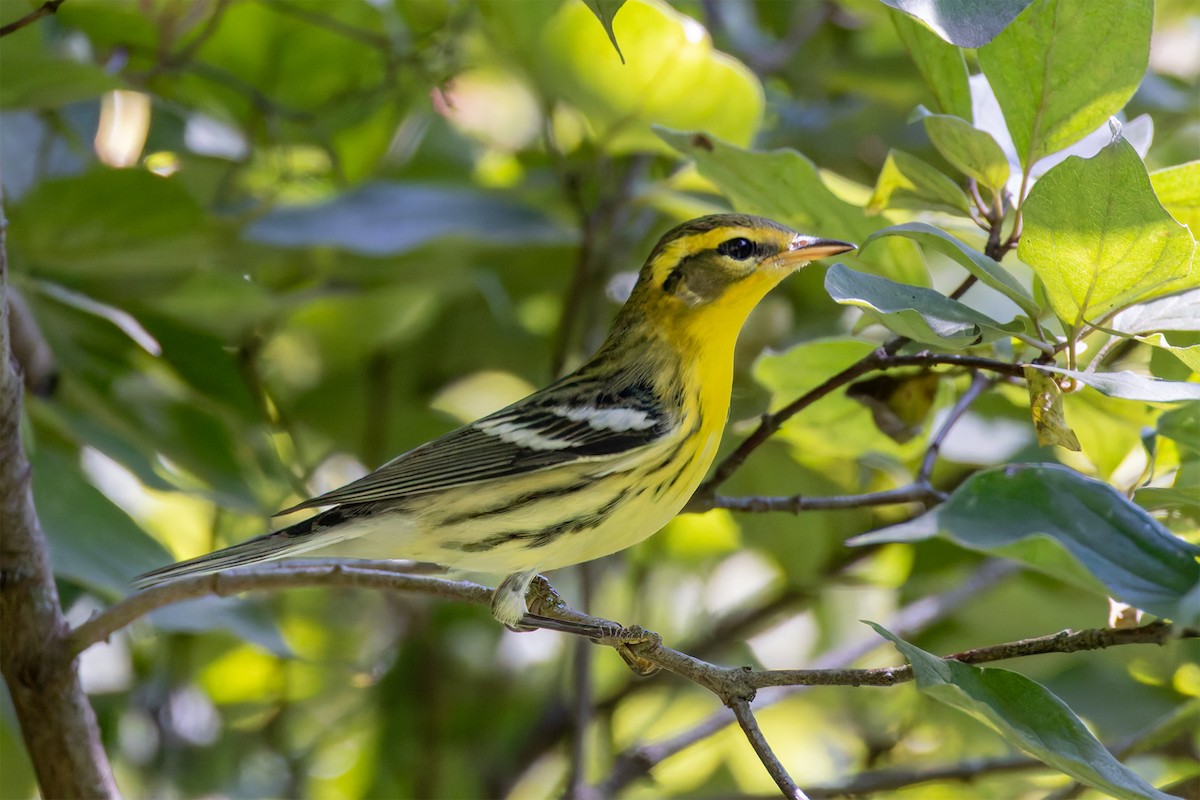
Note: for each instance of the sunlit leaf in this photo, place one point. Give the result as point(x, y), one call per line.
point(1098, 238)
point(1028, 716)
point(1017, 509)
point(1178, 189)
point(963, 22)
point(970, 150)
point(667, 58)
point(906, 181)
point(1065, 66)
point(921, 314)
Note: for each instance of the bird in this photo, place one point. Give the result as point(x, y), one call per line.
point(591, 464)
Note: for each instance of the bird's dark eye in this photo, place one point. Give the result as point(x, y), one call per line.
point(739, 249)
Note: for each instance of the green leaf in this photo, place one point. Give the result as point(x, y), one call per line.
point(987, 270)
point(1046, 405)
point(921, 314)
point(1065, 66)
point(1189, 354)
point(1096, 235)
point(786, 186)
point(91, 540)
point(1131, 386)
point(966, 23)
point(1178, 312)
point(668, 58)
point(248, 619)
point(1028, 715)
point(605, 11)
point(391, 218)
point(971, 151)
point(998, 510)
point(32, 80)
point(131, 231)
point(1178, 189)
point(908, 182)
point(940, 64)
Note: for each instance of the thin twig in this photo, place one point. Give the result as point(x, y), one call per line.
point(891, 779)
point(44, 10)
point(979, 384)
point(914, 493)
point(745, 717)
point(879, 359)
point(282, 575)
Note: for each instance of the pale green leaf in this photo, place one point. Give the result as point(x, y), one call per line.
point(908, 182)
point(1178, 189)
point(1065, 66)
point(970, 150)
point(671, 76)
point(1098, 238)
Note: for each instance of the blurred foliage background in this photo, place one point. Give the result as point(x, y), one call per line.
point(272, 244)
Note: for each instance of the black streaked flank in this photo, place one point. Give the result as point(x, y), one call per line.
point(544, 536)
point(529, 498)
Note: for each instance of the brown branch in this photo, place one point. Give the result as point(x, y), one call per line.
point(883, 358)
point(44, 10)
point(914, 493)
point(730, 685)
point(638, 760)
point(57, 722)
point(891, 779)
point(979, 384)
point(754, 734)
point(281, 575)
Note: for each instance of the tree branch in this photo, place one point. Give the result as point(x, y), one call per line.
point(280, 575)
point(883, 358)
point(745, 718)
point(44, 10)
point(57, 722)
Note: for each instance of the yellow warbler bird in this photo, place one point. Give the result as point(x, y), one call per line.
point(589, 465)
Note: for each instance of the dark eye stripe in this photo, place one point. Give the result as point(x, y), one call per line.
point(738, 249)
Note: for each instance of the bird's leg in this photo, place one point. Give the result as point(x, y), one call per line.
point(547, 610)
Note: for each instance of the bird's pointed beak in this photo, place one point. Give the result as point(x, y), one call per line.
point(804, 249)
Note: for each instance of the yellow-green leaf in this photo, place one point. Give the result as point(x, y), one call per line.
point(1098, 238)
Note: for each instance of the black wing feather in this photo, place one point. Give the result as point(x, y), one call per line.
point(472, 454)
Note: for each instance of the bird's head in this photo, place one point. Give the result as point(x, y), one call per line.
point(709, 273)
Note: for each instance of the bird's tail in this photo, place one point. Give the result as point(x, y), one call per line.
point(291, 541)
